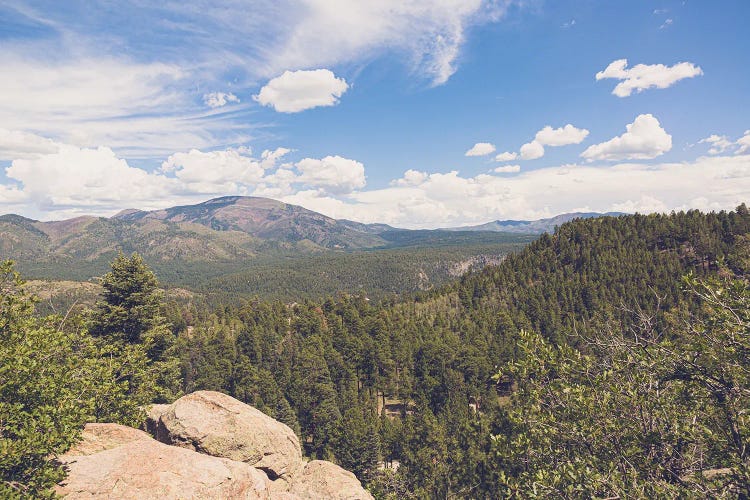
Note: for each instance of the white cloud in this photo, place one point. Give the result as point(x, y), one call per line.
point(333, 174)
point(411, 178)
point(82, 180)
point(645, 76)
point(89, 82)
point(296, 91)
point(17, 144)
point(507, 169)
point(429, 33)
point(138, 109)
point(666, 23)
point(744, 143)
point(506, 156)
point(549, 136)
point(719, 143)
point(532, 150)
point(271, 157)
point(214, 172)
point(645, 139)
point(73, 181)
point(447, 199)
point(219, 99)
point(481, 149)
point(562, 136)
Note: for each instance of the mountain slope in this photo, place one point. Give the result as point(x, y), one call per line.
point(266, 219)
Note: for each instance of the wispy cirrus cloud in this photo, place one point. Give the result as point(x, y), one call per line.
point(72, 81)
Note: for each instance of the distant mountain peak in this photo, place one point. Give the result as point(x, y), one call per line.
point(534, 226)
point(125, 212)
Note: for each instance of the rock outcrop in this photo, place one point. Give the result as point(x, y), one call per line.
point(209, 446)
point(321, 479)
point(221, 426)
point(114, 461)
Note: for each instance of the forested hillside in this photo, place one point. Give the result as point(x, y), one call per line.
point(431, 360)
point(606, 360)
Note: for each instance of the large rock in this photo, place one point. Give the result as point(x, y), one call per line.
point(320, 479)
point(219, 425)
point(153, 414)
point(113, 461)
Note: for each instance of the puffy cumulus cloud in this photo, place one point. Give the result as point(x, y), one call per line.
point(219, 99)
point(429, 33)
point(744, 143)
point(481, 149)
point(562, 136)
point(411, 178)
point(95, 181)
point(532, 150)
point(278, 184)
point(506, 156)
point(296, 91)
point(549, 136)
point(507, 169)
point(644, 139)
point(449, 199)
point(332, 174)
point(18, 144)
point(645, 76)
point(214, 171)
point(76, 180)
point(66, 180)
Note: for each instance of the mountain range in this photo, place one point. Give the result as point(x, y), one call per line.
point(251, 244)
point(533, 226)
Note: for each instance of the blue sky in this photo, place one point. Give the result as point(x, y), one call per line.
point(371, 110)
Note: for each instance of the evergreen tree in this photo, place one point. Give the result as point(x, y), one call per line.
point(132, 301)
point(130, 316)
point(53, 378)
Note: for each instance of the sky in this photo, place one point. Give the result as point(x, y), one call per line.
point(419, 114)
